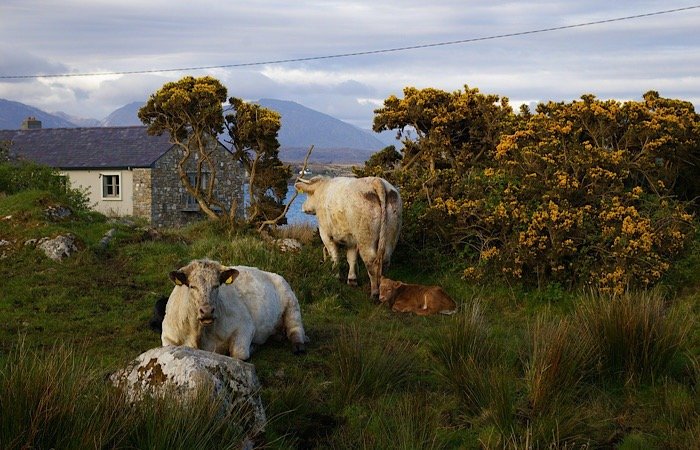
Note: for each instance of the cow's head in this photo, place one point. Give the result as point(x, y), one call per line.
point(309, 187)
point(387, 289)
point(202, 278)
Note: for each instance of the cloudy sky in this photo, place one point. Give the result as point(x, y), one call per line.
point(620, 59)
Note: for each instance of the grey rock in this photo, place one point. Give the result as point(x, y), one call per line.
point(107, 238)
point(57, 213)
point(288, 245)
point(58, 248)
point(184, 371)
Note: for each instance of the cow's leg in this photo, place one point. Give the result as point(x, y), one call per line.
point(292, 321)
point(374, 270)
point(352, 262)
point(240, 344)
point(332, 249)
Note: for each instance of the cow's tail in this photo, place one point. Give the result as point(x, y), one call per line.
point(380, 189)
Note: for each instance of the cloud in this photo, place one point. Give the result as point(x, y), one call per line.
point(613, 60)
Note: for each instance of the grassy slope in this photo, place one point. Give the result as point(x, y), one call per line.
point(100, 300)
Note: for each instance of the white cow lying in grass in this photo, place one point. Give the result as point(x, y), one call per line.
point(227, 309)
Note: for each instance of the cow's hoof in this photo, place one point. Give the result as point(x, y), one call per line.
point(352, 282)
point(299, 349)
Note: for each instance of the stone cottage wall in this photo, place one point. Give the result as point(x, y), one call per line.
point(142, 194)
point(169, 198)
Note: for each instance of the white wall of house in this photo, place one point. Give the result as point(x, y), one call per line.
point(111, 192)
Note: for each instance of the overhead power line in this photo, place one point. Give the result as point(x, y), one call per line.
point(358, 53)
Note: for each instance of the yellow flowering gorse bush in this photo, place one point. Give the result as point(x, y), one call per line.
point(590, 192)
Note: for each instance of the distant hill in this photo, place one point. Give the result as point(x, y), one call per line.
point(326, 155)
point(388, 137)
point(334, 141)
point(126, 116)
point(78, 121)
point(13, 113)
point(302, 127)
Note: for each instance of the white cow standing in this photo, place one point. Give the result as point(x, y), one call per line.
point(226, 309)
point(361, 214)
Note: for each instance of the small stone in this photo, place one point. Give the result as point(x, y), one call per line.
point(288, 245)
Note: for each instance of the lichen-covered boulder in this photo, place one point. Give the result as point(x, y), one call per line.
point(185, 371)
point(58, 248)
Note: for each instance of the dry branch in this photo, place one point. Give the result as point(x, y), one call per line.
point(273, 222)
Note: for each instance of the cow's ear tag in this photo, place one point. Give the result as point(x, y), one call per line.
point(228, 276)
point(178, 282)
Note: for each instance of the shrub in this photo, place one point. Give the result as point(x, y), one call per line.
point(590, 192)
point(22, 176)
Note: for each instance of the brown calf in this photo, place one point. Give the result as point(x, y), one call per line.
point(416, 298)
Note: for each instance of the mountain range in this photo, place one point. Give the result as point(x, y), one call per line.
point(334, 141)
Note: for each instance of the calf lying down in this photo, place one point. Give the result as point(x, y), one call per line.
point(416, 298)
point(226, 309)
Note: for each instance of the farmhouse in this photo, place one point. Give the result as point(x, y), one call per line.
point(125, 171)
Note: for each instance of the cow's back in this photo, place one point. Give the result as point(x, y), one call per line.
point(422, 300)
point(352, 211)
point(262, 294)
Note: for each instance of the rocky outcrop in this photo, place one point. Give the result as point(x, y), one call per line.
point(184, 371)
point(58, 248)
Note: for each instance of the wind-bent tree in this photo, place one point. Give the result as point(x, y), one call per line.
point(253, 131)
point(191, 111)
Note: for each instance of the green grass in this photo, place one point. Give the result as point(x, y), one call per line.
point(513, 368)
point(55, 398)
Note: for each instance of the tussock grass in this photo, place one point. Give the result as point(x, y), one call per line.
point(401, 421)
point(471, 362)
point(56, 399)
point(559, 359)
point(510, 371)
point(362, 369)
point(635, 334)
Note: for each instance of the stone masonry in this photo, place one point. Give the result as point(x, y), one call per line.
point(168, 198)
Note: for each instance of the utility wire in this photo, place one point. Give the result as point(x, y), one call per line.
point(359, 53)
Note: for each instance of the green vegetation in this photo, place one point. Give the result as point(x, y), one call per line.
point(190, 110)
point(54, 397)
point(578, 308)
point(591, 192)
point(514, 368)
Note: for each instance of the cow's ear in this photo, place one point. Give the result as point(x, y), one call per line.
point(301, 187)
point(306, 186)
point(178, 277)
point(228, 276)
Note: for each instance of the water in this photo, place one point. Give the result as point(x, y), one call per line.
point(294, 215)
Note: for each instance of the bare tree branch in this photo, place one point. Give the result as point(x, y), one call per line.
point(273, 222)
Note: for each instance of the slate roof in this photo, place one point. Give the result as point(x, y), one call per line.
point(88, 148)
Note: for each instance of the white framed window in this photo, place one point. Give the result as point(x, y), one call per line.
point(111, 185)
